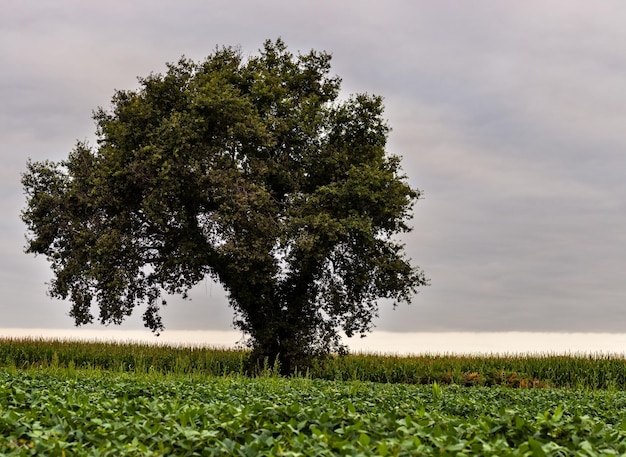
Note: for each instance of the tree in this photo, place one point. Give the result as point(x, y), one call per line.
point(250, 171)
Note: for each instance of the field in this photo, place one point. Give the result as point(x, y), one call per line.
point(68, 398)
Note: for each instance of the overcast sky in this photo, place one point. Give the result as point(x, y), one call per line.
point(510, 116)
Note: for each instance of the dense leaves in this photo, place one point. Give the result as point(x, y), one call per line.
point(95, 413)
point(247, 170)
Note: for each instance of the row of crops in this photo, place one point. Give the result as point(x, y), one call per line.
point(594, 371)
point(63, 412)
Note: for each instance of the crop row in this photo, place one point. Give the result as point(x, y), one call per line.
point(573, 371)
point(64, 412)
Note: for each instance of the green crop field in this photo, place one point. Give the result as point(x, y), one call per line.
point(68, 398)
point(595, 371)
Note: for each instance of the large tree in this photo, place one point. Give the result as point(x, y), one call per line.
point(249, 170)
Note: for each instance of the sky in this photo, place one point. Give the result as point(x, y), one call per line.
point(509, 116)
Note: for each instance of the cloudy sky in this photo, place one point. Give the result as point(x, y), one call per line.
point(510, 116)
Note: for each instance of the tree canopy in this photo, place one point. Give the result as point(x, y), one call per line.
point(249, 170)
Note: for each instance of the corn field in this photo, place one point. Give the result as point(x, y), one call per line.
point(593, 371)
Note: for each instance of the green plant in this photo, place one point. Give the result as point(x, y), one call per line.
point(56, 412)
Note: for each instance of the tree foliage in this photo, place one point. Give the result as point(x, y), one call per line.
point(251, 171)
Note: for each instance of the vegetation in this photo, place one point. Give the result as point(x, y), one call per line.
point(70, 398)
point(63, 412)
point(250, 171)
point(518, 371)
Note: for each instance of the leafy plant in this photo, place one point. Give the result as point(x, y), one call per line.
point(93, 412)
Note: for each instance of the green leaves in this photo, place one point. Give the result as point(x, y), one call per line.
point(97, 413)
point(249, 170)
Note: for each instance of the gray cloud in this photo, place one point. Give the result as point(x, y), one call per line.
point(509, 116)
